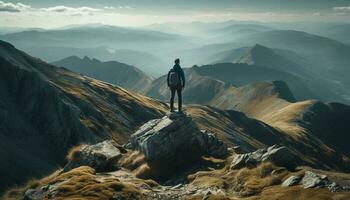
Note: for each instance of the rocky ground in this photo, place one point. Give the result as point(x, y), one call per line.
point(171, 158)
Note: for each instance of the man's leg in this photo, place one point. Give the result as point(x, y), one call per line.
point(179, 95)
point(172, 99)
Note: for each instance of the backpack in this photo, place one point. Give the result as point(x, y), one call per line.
point(174, 78)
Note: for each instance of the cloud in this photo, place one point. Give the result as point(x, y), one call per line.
point(109, 7)
point(13, 7)
point(64, 9)
point(342, 9)
point(125, 7)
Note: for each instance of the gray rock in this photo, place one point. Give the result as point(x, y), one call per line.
point(334, 187)
point(213, 146)
point(33, 194)
point(292, 180)
point(175, 140)
point(280, 156)
point(102, 157)
point(312, 180)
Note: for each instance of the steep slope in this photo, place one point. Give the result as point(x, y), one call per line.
point(309, 121)
point(113, 72)
point(46, 110)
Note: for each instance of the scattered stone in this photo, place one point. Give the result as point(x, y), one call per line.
point(175, 140)
point(291, 181)
point(177, 186)
point(206, 195)
point(312, 180)
point(102, 157)
point(33, 194)
point(334, 187)
point(280, 156)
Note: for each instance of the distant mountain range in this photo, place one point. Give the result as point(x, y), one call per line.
point(132, 46)
point(288, 62)
point(113, 72)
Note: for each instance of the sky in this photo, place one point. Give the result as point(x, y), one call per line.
point(58, 13)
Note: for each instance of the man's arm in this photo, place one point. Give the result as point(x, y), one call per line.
point(183, 78)
point(167, 80)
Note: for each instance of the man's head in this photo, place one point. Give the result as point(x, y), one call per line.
point(177, 61)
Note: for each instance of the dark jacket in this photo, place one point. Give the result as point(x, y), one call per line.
point(177, 68)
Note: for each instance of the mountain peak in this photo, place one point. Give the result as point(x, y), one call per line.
point(258, 48)
point(86, 58)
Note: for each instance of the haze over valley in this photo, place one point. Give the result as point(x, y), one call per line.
point(84, 100)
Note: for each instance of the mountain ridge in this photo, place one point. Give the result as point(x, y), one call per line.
point(113, 72)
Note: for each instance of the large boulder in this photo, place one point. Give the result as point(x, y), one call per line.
point(278, 155)
point(175, 141)
point(102, 157)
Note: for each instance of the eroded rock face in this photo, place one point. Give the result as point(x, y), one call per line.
point(102, 157)
point(175, 140)
point(278, 155)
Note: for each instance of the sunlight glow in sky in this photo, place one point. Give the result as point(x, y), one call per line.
point(51, 14)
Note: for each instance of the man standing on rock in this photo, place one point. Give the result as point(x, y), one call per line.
point(176, 83)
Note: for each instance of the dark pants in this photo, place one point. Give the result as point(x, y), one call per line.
point(179, 96)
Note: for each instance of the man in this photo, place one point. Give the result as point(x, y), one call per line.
point(176, 82)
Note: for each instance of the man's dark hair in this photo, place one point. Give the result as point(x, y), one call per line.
point(177, 61)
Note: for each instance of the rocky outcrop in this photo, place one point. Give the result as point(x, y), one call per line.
point(314, 180)
point(275, 154)
point(175, 140)
point(102, 157)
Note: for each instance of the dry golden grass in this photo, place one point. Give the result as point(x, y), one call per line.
point(298, 193)
point(132, 160)
point(74, 153)
point(18, 192)
point(247, 182)
point(82, 183)
point(263, 183)
point(211, 197)
point(244, 182)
